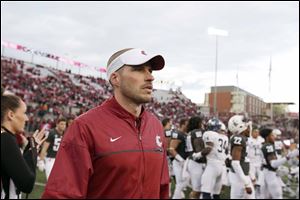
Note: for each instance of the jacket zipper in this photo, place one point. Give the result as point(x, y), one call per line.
point(138, 126)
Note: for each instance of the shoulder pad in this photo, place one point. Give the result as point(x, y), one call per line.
point(168, 133)
point(198, 134)
point(174, 135)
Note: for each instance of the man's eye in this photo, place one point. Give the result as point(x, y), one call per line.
point(141, 69)
point(137, 69)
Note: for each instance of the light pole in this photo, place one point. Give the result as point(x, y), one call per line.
point(216, 32)
point(270, 93)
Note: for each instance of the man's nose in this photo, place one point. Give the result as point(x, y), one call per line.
point(149, 76)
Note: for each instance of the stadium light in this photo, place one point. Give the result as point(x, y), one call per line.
point(216, 32)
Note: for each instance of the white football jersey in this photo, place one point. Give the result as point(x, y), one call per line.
point(254, 149)
point(278, 144)
point(278, 147)
point(220, 144)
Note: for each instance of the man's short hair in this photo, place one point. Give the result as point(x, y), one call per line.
point(61, 119)
point(182, 122)
point(165, 121)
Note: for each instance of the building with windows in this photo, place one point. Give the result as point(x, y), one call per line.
point(232, 99)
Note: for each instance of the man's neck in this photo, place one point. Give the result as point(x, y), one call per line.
point(182, 130)
point(59, 131)
point(128, 105)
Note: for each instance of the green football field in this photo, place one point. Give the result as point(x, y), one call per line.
point(41, 181)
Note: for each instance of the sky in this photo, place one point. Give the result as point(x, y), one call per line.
point(259, 33)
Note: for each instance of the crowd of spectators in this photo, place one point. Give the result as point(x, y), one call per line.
point(54, 93)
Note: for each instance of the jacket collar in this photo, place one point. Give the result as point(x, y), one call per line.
point(119, 111)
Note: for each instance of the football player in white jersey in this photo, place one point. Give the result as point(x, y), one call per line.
point(241, 185)
point(216, 144)
point(279, 146)
point(255, 156)
point(279, 150)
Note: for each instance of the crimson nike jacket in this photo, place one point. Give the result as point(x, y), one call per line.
point(109, 153)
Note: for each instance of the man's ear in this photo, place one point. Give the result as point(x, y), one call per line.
point(115, 79)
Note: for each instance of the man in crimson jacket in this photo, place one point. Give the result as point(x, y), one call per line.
point(115, 150)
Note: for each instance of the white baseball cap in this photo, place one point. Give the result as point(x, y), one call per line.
point(135, 57)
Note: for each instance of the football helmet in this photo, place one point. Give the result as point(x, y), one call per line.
point(223, 127)
point(214, 124)
point(238, 123)
point(276, 132)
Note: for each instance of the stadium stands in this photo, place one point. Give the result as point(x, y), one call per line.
point(50, 93)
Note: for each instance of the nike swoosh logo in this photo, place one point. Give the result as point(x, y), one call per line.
point(115, 139)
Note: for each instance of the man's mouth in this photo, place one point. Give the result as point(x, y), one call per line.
point(150, 87)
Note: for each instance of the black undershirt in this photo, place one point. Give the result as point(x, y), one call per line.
point(20, 168)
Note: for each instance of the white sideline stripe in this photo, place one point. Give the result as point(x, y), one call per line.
point(40, 184)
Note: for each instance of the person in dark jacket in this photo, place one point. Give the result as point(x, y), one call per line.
point(117, 149)
point(17, 170)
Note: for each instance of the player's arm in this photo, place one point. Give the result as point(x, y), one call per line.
point(172, 149)
point(276, 162)
point(208, 147)
point(235, 163)
point(236, 153)
point(46, 145)
point(44, 150)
